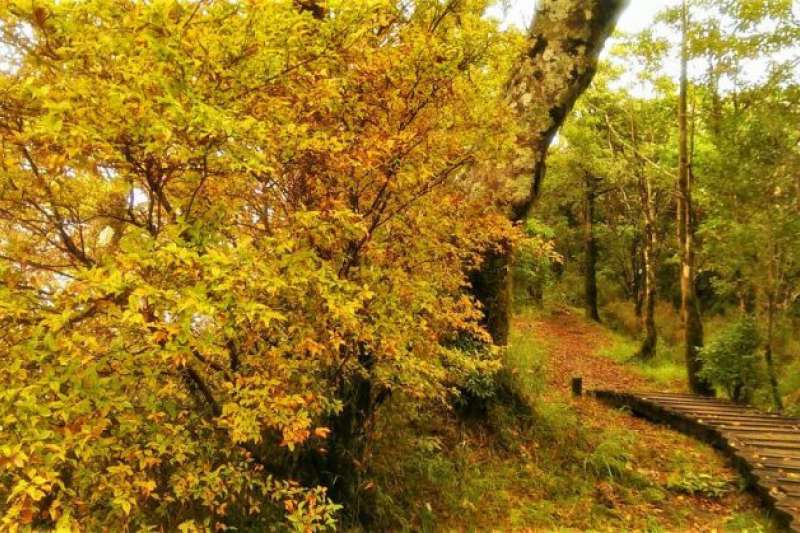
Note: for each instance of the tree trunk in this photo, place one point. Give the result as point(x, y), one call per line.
point(590, 248)
point(771, 297)
point(345, 462)
point(649, 245)
point(648, 348)
point(491, 286)
point(564, 42)
point(637, 284)
point(690, 310)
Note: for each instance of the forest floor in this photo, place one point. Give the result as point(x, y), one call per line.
point(561, 463)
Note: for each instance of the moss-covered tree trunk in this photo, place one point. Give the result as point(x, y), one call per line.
point(564, 43)
point(491, 285)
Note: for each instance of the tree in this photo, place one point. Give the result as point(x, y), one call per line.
point(625, 139)
point(556, 67)
point(230, 230)
point(649, 250)
point(590, 247)
point(690, 309)
point(750, 154)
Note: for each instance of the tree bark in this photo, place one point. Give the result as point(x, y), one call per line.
point(491, 286)
point(590, 248)
point(637, 284)
point(564, 42)
point(690, 310)
point(649, 245)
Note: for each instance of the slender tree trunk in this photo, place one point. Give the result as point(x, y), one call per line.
point(690, 310)
point(771, 297)
point(590, 248)
point(649, 245)
point(648, 348)
point(637, 292)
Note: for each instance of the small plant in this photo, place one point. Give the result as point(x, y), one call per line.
point(730, 361)
point(611, 457)
point(698, 484)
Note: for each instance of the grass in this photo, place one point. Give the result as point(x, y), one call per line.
point(526, 358)
point(666, 370)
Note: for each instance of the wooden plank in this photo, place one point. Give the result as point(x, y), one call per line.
point(688, 398)
point(708, 409)
point(691, 401)
point(746, 424)
point(766, 445)
point(763, 419)
point(745, 429)
point(775, 479)
point(750, 429)
point(708, 412)
point(718, 405)
point(777, 465)
point(762, 434)
point(772, 454)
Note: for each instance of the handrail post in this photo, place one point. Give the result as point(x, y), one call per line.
point(577, 386)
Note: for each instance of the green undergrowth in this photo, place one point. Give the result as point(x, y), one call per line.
point(666, 370)
point(539, 466)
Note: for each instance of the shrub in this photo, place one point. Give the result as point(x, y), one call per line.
point(730, 361)
point(611, 457)
point(533, 262)
point(701, 484)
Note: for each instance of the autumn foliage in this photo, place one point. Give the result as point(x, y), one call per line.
point(228, 231)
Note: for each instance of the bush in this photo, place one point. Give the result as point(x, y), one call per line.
point(534, 258)
point(730, 361)
point(701, 484)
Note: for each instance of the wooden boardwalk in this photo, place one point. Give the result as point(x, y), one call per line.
point(764, 447)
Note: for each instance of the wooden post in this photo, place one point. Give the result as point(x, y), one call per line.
point(577, 386)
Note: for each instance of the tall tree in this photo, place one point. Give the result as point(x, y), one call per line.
point(690, 309)
point(591, 193)
point(558, 64)
point(649, 247)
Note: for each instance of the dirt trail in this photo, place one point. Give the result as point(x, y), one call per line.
point(573, 346)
